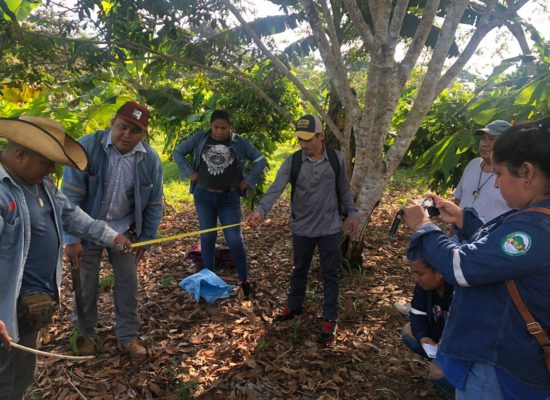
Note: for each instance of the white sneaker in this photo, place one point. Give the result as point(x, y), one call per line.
point(403, 307)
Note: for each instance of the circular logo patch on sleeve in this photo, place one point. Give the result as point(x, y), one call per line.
point(516, 243)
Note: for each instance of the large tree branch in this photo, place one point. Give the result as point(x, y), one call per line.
point(380, 12)
point(282, 68)
point(442, 46)
point(428, 89)
point(332, 58)
point(462, 60)
point(518, 33)
point(332, 34)
point(360, 24)
point(419, 40)
point(396, 23)
point(484, 27)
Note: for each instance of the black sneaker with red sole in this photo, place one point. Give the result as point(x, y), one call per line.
point(286, 315)
point(328, 332)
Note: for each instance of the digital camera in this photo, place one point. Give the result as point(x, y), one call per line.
point(429, 207)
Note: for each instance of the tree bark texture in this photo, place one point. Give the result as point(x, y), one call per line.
point(370, 120)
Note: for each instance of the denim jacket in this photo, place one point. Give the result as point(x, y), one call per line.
point(85, 189)
point(484, 324)
point(243, 148)
point(15, 237)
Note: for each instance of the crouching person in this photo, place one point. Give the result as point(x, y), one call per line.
point(429, 308)
point(33, 213)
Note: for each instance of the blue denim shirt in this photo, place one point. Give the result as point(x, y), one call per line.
point(243, 148)
point(484, 324)
point(15, 237)
point(85, 189)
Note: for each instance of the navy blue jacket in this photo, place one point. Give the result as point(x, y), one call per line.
point(422, 315)
point(484, 324)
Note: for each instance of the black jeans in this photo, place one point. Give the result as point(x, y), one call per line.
point(329, 254)
point(17, 367)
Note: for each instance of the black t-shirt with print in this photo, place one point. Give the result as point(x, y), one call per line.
point(218, 168)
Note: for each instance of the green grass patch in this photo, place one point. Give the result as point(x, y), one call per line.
point(106, 283)
point(408, 181)
point(277, 158)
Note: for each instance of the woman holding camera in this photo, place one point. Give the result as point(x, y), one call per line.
point(486, 350)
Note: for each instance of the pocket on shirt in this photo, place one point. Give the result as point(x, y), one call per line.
point(145, 191)
point(10, 235)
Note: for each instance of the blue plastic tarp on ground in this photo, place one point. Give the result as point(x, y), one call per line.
point(206, 285)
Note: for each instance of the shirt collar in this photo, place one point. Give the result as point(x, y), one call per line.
point(4, 174)
point(324, 157)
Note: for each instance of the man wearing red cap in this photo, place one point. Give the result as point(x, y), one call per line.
point(122, 186)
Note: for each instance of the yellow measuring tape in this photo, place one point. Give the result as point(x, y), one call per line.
point(182, 235)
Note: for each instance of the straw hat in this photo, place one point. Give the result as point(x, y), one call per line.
point(46, 137)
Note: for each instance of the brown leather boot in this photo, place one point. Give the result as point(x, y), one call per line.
point(86, 346)
point(134, 349)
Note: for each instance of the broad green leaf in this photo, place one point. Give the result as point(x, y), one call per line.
point(21, 8)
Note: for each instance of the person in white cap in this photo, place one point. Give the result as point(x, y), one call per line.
point(33, 213)
point(320, 197)
point(122, 186)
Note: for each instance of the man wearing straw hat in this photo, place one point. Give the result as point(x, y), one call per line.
point(122, 186)
point(33, 213)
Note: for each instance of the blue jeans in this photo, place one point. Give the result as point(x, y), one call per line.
point(227, 207)
point(482, 384)
point(125, 293)
point(329, 255)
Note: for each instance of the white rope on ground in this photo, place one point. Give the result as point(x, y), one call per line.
point(46, 354)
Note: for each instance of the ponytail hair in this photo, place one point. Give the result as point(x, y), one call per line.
point(525, 142)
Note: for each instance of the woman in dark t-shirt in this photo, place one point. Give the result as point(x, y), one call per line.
point(217, 183)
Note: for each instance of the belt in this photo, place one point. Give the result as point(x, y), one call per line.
point(220, 190)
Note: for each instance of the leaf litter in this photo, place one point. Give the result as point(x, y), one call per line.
point(231, 349)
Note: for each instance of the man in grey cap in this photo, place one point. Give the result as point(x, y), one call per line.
point(476, 188)
point(320, 197)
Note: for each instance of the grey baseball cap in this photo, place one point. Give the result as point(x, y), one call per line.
point(495, 128)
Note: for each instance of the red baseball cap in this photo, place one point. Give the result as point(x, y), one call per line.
point(134, 113)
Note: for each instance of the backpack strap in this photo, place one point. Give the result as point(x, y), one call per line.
point(533, 327)
point(335, 163)
point(296, 165)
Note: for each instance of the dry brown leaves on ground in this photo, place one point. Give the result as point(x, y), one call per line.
point(230, 349)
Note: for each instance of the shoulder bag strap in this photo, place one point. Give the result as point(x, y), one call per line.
point(533, 327)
